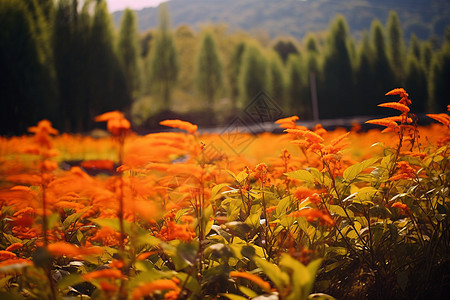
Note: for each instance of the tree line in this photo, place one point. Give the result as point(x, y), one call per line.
point(65, 61)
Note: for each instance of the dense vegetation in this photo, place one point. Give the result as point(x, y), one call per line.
point(66, 62)
point(309, 214)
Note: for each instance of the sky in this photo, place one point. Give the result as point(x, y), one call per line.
point(115, 5)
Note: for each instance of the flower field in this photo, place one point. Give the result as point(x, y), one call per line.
point(307, 214)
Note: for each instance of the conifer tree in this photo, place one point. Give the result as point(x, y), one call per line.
point(439, 89)
point(336, 87)
point(414, 46)
point(108, 85)
point(70, 57)
point(416, 84)
point(128, 49)
point(163, 64)
point(234, 69)
point(22, 89)
point(275, 79)
point(209, 70)
point(253, 73)
point(382, 68)
point(395, 47)
point(295, 85)
point(365, 78)
point(426, 56)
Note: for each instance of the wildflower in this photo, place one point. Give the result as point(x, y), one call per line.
point(397, 91)
point(404, 171)
point(116, 123)
point(108, 287)
point(108, 236)
point(383, 122)
point(395, 105)
point(287, 122)
point(189, 127)
point(105, 273)
point(254, 278)
point(69, 250)
point(312, 214)
point(441, 118)
point(154, 286)
point(5, 255)
point(402, 207)
point(14, 246)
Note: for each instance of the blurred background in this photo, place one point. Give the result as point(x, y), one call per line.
point(204, 61)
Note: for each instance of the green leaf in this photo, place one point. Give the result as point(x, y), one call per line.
point(247, 292)
point(52, 220)
point(4, 281)
point(302, 175)
point(353, 171)
point(148, 240)
point(283, 206)
point(74, 217)
point(233, 296)
point(216, 189)
point(70, 280)
point(278, 277)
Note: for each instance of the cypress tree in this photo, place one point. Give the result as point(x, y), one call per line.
point(70, 61)
point(395, 47)
point(365, 78)
point(414, 46)
point(128, 49)
point(439, 89)
point(383, 72)
point(416, 84)
point(234, 70)
point(22, 91)
point(163, 64)
point(336, 87)
point(275, 79)
point(426, 56)
point(108, 89)
point(253, 73)
point(295, 85)
point(209, 70)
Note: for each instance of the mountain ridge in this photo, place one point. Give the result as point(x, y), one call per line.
point(296, 18)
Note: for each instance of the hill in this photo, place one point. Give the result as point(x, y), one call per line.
point(296, 17)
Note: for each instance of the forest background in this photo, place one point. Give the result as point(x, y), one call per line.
point(71, 60)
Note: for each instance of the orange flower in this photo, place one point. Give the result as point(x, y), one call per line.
point(116, 123)
point(403, 207)
point(44, 126)
point(22, 262)
point(5, 255)
point(105, 273)
point(108, 287)
point(384, 122)
point(395, 105)
point(67, 249)
point(441, 118)
point(103, 164)
point(312, 214)
point(14, 246)
point(189, 127)
point(256, 279)
point(397, 91)
point(154, 286)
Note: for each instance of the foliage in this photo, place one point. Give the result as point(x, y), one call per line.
point(128, 50)
point(209, 70)
point(170, 216)
point(164, 68)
